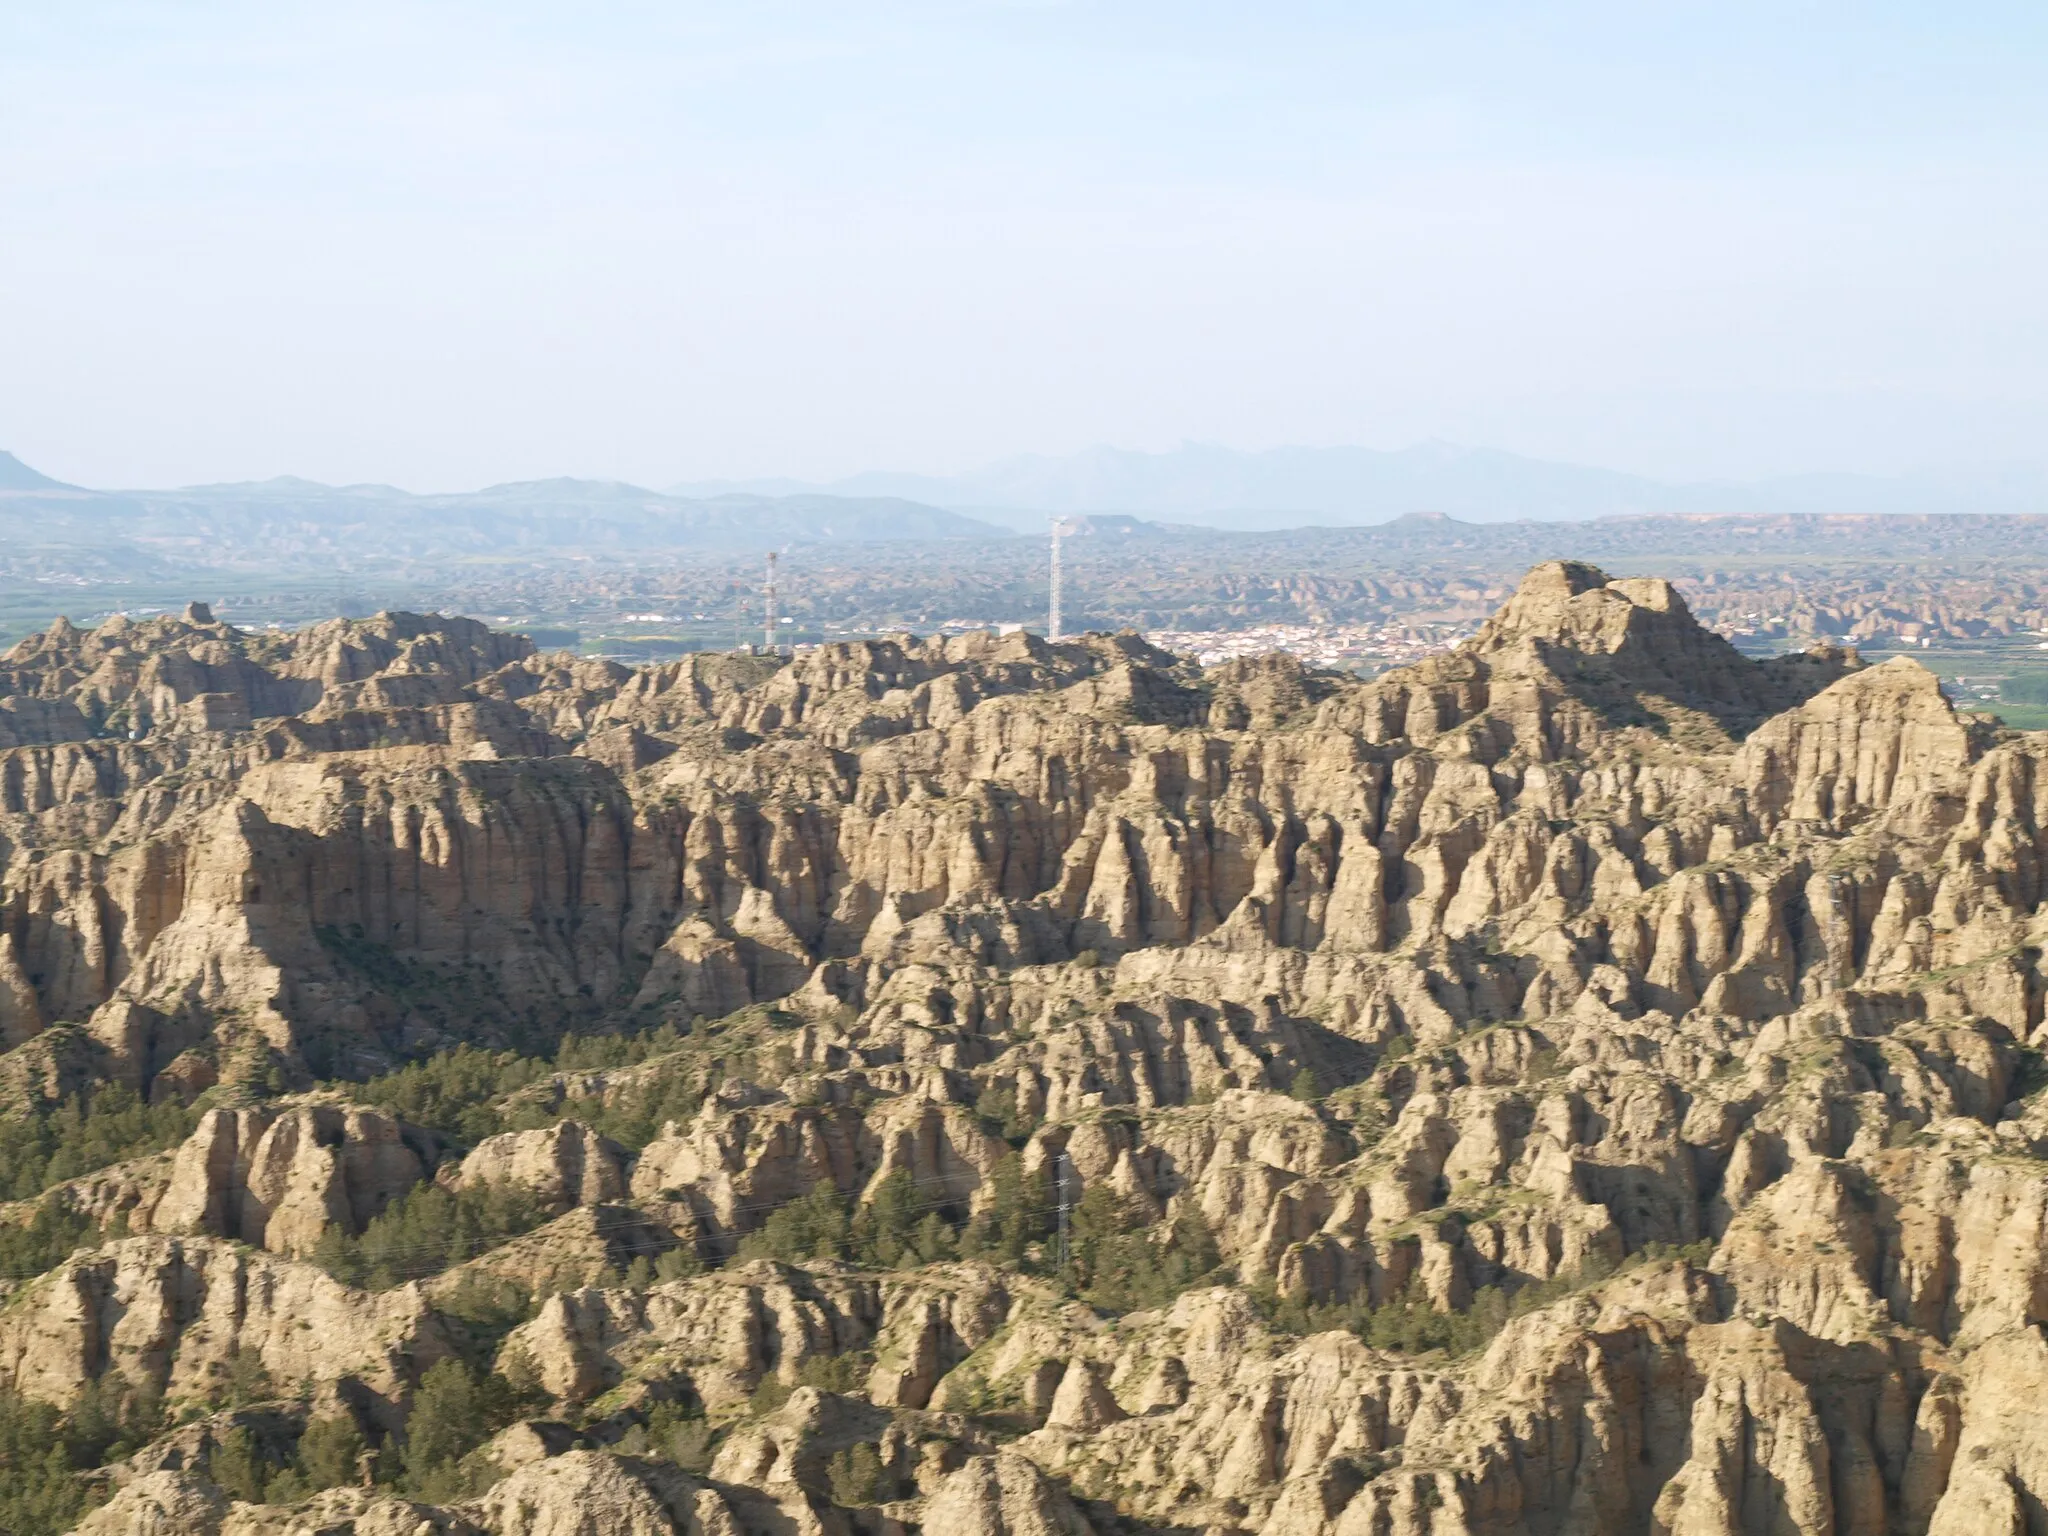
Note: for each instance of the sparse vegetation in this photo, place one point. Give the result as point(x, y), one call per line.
point(455, 1092)
point(635, 1114)
point(479, 1310)
point(998, 1111)
point(455, 1410)
point(1410, 1324)
point(42, 1451)
point(46, 1240)
point(675, 1433)
point(892, 1228)
point(425, 1232)
point(238, 1467)
point(47, 1145)
point(469, 1094)
point(857, 1477)
point(1120, 1265)
point(1011, 1222)
point(329, 1454)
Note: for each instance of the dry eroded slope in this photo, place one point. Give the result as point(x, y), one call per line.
point(1585, 1083)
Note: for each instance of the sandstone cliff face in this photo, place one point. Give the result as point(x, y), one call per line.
point(587, 1494)
point(1002, 1493)
point(278, 1180)
point(173, 1314)
point(564, 1166)
point(1668, 1023)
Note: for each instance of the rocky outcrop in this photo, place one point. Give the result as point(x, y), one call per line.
point(1005, 1494)
point(723, 1333)
point(1880, 738)
point(563, 1166)
point(307, 911)
point(176, 1314)
point(279, 1178)
point(1588, 1081)
point(588, 1493)
point(185, 1504)
point(161, 1504)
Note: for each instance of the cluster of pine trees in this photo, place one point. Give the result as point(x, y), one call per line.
point(1411, 1324)
point(1116, 1257)
point(456, 1409)
point(50, 1143)
point(44, 1241)
point(42, 1450)
point(458, 1092)
point(427, 1230)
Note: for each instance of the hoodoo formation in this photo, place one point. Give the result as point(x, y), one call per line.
point(1588, 1082)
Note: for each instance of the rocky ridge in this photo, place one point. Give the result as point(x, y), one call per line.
point(1586, 1082)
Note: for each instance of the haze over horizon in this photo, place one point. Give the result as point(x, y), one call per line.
point(1023, 464)
point(1199, 485)
point(455, 246)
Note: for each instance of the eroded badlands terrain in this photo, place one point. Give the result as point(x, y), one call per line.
point(1584, 1083)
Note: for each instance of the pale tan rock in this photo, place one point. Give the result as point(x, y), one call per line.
point(564, 1166)
point(347, 1512)
point(529, 1440)
point(1002, 1495)
point(1760, 1459)
point(593, 1493)
point(1083, 1401)
point(176, 1312)
point(279, 1180)
point(1881, 737)
point(736, 1167)
point(1589, 936)
point(160, 1504)
point(930, 1323)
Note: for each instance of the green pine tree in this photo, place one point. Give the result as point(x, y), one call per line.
point(446, 1423)
point(330, 1451)
point(856, 1476)
point(237, 1467)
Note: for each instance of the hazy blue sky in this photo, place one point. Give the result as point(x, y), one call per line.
point(447, 244)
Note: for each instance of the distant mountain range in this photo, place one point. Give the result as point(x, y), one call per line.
point(1291, 487)
point(48, 526)
point(296, 522)
point(17, 476)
